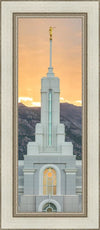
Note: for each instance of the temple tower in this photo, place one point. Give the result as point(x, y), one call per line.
point(50, 133)
point(50, 166)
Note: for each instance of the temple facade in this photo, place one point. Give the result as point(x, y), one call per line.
point(49, 170)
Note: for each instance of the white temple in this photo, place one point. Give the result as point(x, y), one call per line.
point(50, 173)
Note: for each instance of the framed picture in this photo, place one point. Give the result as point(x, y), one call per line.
point(50, 114)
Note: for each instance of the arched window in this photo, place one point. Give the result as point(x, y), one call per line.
point(49, 207)
point(49, 181)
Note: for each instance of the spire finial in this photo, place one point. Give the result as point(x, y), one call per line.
point(50, 69)
point(50, 32)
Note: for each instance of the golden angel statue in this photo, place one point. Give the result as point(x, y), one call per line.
point(50, 32)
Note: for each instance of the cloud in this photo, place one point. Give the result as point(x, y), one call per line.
point(28, 101)
point(36, 104)
point(78, 102)
point(20, 99)
point(63, 100)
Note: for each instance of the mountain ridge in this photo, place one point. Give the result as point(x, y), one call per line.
point(70, 116)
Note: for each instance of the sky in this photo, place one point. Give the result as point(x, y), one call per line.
point(33, 58)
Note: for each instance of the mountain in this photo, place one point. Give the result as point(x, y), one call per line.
point(70, 116)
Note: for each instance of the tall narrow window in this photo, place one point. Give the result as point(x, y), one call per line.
point(49, 182)
point(50, 118)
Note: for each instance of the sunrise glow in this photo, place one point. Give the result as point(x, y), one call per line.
point(33, 58)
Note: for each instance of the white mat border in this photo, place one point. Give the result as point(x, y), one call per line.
point(92, 8)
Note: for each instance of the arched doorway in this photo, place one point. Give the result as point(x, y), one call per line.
point(49, 207)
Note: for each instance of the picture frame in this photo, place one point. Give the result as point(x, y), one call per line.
point(90, 218)
point(16, 18)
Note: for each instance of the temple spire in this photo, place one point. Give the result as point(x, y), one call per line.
point(50, 32)
point(50, 69)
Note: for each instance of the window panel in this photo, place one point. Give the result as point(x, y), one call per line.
point(44, 190)
point(49, 182)
point(50, 190)
point(54, 190)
